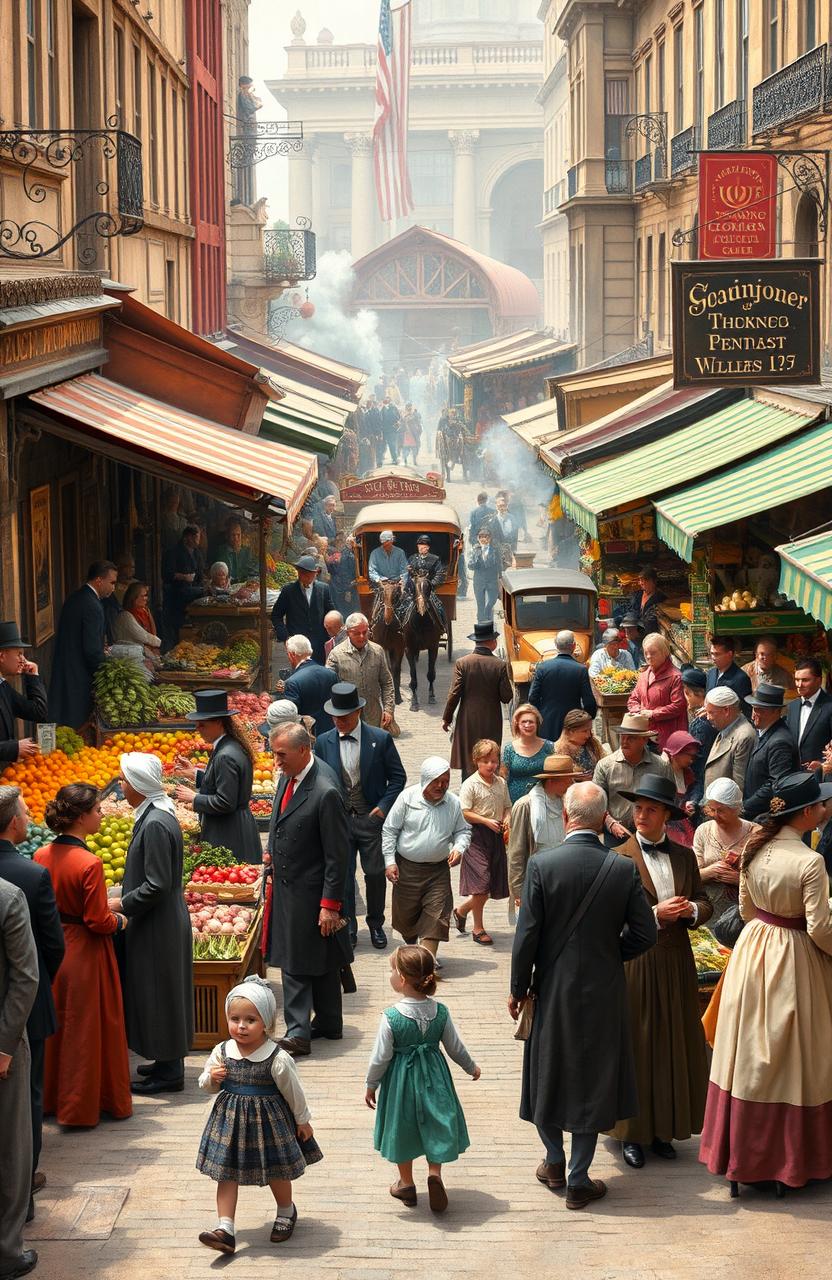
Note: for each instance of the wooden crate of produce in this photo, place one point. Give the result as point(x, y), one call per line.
point(213, 979)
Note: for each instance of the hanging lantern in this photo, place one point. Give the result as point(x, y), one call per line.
point(306, 310)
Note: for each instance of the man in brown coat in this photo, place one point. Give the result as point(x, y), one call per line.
point(360, 661)
point(481, 683)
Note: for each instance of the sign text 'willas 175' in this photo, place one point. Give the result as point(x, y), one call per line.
point(746, 323)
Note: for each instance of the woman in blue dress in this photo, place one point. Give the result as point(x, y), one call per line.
point(523, 757)
point(418, 1111)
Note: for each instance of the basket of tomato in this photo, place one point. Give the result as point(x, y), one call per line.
point(239, 882)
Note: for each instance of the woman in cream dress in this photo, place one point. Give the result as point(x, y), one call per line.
point(769, 1110)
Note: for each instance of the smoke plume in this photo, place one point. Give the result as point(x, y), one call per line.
point(333, 330)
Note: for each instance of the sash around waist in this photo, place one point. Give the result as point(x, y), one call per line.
point(250, 1090)
point(785, 922)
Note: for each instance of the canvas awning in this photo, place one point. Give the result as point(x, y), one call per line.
point(798, 466)
point(535, 424)
point(133, 428)
point(705, 446)
point(284, 423)
point(528, 346)
point(806, 574)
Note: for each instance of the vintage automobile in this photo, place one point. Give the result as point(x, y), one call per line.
point(537, 604)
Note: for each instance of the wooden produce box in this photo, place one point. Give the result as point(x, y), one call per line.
point(213, 979)
point(205, 680)
point(613, 707)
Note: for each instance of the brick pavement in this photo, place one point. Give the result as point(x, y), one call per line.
point(663, 1221)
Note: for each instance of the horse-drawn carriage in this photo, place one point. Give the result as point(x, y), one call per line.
point(408, 625)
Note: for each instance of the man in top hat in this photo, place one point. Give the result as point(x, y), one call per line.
point(387, 561)
point(634, 634)
point(622, 770)
point(734, 740)
point(537, 818)
point(613, 651)
point(481, 683)
point(310, 684)
point(223, 793)
point(28, 705)
point(775, 752)
point(79, 646)
point(372, 776)
point(561, 684)
point(301, 606)
point(669, 1043)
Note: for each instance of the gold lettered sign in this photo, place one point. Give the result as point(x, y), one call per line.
point(749, 324)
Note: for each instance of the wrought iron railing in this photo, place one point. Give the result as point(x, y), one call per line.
point(643, 172)
point(258, 140)
point(289, 255)
point(618, 177)
point(683, 149)
point(795, 90)
point(660, 164)
point(571, 182)
point(87, 152)
point(726, 127)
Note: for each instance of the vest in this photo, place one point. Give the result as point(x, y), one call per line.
point(353, 794)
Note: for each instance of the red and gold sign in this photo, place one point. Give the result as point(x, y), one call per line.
point(737, 204)
point(391, 488)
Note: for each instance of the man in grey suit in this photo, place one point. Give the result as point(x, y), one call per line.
point(583, 913)
point(735, 736)
point(18, 989)
point(309, 844)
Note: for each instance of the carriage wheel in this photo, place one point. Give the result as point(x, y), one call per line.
point(449, 639)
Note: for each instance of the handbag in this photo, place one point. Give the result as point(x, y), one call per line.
point(728, 927)
point(523, 1028)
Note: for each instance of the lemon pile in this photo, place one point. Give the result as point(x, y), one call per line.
point(110, 845)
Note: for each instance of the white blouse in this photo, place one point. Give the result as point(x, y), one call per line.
point(284, 1074)
point(422, 1011)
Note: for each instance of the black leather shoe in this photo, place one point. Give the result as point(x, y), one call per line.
point(348, 981)
point(294, 1046)
point(151, 1085)
point(633, 1154)
point(378, 937)
point(21, 1266)
point(145, 1068)
point(666, 1150)
point(316, 1033)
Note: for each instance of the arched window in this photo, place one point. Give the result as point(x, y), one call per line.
point(806, 228)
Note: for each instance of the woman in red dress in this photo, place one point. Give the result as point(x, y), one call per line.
point(658, 693)
point(87, 1068)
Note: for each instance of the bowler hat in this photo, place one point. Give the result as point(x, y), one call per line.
point(637, 726)
point(343, 698)
point(423, 538)
point(654, 786)
point(768, 696)
point(632, 620)
point(694, 678)
point(211, 704)
point(10, 637)
point(560, 767)
point(307, 564)
point(483, 631)
point(795, 791)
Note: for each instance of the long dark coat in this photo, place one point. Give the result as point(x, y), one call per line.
point(480, 685)
point(223, 801)
point(578, 1071)
point(293, 616)
point(773, 755)
point(29, 705)
point(158, 985)
point(559, 685)
point(309, 844)
point(79, 651)
point(36, 883)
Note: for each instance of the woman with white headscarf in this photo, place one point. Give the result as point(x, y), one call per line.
point(158, 981)
point(424, 835)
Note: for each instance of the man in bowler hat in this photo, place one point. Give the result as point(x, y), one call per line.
point(29, 705)
point(301, 607)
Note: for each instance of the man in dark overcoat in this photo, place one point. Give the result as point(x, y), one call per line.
point(79, 646)
point(559, 685)
point(301, 606)
point(578, 1069)
point(773, 755)
point(481, 683)
point(310, 684)
point(308, 844)
point(29, 705)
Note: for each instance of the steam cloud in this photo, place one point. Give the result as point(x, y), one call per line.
point(333, 330)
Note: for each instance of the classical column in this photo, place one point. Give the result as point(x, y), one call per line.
point(463, 142)
point(300, 182)
point(362, 230)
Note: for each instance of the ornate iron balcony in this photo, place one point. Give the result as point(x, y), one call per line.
point(618, 176)
point(795, 90)
point(38, 150)
point(683, 149)
point(571, 182)
point(262, 139)
point(643, 172)
point(726, 127)
point(289, 255)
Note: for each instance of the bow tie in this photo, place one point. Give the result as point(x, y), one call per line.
point(347, 737)
point(806, 702)
point(654, 848)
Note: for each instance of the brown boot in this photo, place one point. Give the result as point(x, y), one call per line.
point(580, 1197)
point(552, 1176)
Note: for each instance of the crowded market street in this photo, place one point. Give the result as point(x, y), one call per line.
point(124, 1199)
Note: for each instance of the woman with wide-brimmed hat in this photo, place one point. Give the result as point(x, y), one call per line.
point(669, 1043)
point(223, 793)
point(769, 1109)
point(537, 817)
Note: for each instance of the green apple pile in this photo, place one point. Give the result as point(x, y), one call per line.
point(110, 845)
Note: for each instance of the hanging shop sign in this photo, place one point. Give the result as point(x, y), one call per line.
point(746, 324)
point(737, 204)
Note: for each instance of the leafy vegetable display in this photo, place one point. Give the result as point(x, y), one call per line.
point(199, 853)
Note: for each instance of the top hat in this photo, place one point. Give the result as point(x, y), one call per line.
point(483, 631)
point(307, 564)
point(654, 786)
point(423, 537)
point(211, 704)
point(768, 696)
point(632, 620)
point(10, 637)
point(343, 698)
point(795, 791)
point(560, 767)
point(637, 726)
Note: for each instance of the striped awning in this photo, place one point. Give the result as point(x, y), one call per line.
point(528, 346)
point(793, 469)
point(180, 446)
point(535, 424)
point(705, 446)
point(806, 574)
point(289, 421)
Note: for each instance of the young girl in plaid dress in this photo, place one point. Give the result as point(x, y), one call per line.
point(258, 1133)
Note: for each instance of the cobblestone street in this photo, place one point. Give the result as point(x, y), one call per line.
point(666, 1220)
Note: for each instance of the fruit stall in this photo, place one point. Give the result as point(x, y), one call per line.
point(203, 666)
point(612, 688)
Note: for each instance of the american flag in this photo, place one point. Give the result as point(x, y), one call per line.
point(395, 198)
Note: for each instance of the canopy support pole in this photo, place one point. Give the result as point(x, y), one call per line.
point(265, 622)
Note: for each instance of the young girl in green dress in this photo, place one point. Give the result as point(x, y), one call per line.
point(418, 1111)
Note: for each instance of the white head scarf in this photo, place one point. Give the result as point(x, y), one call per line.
point(722, 696)
point(259, 992)
point(432, 769)
point(725, 791)
point(144, 773)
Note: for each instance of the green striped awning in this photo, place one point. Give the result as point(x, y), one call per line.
point(806, 575)
point(287, 423)
point(702, 447)
point(801, 465)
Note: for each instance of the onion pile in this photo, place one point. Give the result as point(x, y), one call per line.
point(208, 919)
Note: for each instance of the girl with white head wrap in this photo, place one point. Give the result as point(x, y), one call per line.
point(144, 773)
point(259, 993)
point(718, 843)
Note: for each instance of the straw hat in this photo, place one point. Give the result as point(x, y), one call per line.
point(637, 726)
point(560, 767)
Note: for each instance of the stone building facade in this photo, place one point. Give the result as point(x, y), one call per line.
point(553, 97)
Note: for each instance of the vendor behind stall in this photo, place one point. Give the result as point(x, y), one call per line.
point(242, 566)
point(135, 624)
point(183, 573)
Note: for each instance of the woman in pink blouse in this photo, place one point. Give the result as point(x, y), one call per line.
point(658, 693)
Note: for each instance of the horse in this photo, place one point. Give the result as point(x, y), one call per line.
point(386, 628)
point(422, 630)
point(449, 446)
